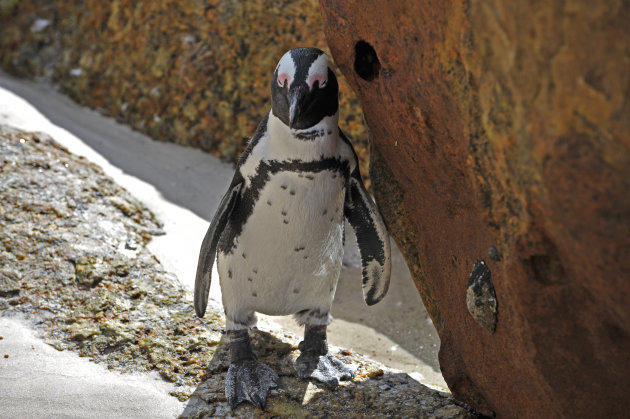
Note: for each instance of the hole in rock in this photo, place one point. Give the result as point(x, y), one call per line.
point(366, 62)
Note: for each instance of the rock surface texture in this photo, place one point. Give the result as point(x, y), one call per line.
point(501, 134)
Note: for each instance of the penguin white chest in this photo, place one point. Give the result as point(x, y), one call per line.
point(289, 253)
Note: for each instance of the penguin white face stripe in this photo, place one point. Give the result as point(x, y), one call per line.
point(318, 71)
point(286, 70)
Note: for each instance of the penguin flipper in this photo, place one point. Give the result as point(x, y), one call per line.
point(208, 250)
point(372, 238)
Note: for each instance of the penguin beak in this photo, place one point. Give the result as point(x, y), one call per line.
point(293, 109)
point(295, 105)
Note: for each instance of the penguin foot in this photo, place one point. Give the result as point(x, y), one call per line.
point(325, 368)
point(248, 380)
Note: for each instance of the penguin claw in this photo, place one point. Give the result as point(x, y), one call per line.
point(324, 368)
point(248, 380)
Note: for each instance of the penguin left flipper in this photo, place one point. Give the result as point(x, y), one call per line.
point(208, 250)
point(372, 239)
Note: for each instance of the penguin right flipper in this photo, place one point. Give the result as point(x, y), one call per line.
point(372, 238)
point(209, 247)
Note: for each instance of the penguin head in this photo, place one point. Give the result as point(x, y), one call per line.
point(304, 88)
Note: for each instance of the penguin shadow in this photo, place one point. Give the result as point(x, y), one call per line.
point(400, 316)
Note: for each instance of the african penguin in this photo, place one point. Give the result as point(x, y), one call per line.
point(279, 230)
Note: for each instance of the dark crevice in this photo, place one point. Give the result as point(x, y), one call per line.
point(366, 63)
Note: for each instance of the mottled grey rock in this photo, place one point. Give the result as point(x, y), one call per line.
point(9, 282)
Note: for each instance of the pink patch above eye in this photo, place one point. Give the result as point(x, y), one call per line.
point(317, 77)
point(284, 78)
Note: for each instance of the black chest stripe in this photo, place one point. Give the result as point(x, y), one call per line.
point(250, 195)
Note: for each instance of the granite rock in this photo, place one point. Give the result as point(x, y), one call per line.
point(9, 282)
point(501, 134)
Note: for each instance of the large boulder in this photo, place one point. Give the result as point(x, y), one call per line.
point(501, 163)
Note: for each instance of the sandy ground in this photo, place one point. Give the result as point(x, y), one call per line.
point(183, 187)
point(32, 367)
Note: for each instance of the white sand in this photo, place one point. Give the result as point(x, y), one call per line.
point(37, 381)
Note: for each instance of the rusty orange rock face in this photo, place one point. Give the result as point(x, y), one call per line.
point(501, 134)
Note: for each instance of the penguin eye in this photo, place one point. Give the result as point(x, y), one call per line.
point(283, 79)
point(319, 79)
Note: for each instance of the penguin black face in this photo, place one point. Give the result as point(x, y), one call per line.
point(304, 88)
